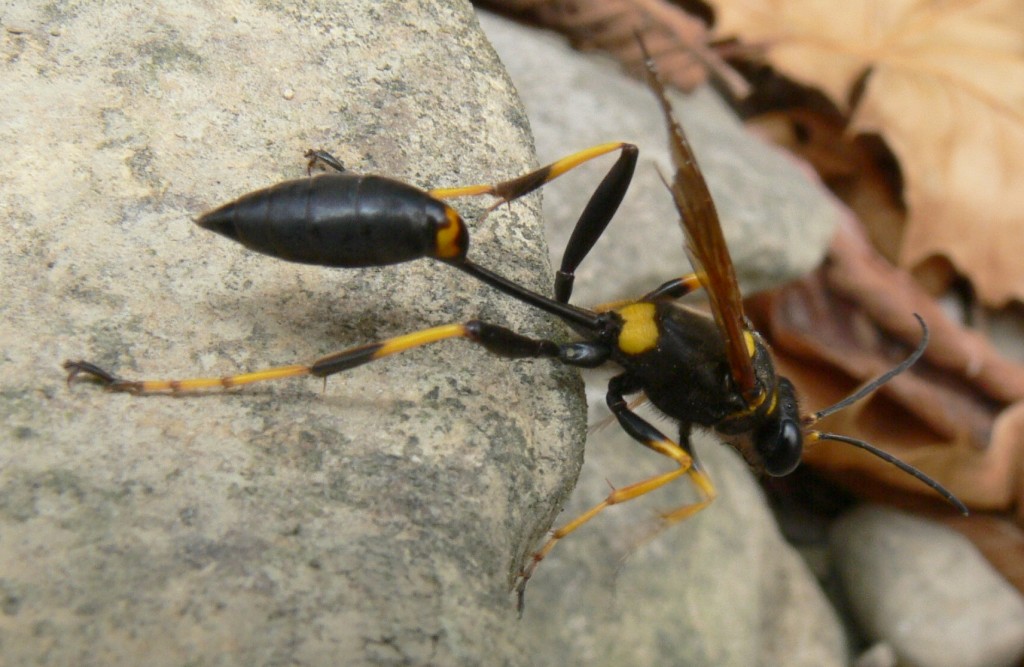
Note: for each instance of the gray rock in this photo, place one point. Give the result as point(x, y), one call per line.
point(878, 655)
point(926, 591)
point(377, 521)
point(777, 220)
point(722, 588)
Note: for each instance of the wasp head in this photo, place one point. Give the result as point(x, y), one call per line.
point(778, 439)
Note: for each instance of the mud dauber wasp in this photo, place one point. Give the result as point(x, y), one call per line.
point(712, 372)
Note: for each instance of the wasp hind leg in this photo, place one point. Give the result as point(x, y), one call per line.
point(520, 186)
point(600, 209)
point(496, 339)
point(78, 368)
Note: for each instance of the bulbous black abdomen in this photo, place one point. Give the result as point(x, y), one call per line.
point(343, 220)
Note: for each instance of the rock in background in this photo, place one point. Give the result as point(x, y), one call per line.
point(926, 591)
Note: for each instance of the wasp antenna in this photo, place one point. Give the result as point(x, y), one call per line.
point(870, 388)
point(902, 465)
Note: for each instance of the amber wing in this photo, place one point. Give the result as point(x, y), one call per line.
point(705, 244)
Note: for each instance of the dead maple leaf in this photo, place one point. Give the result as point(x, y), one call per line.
point(856, 169)
point(853, 315)
point(958, 414)
point(943, 82)
point(676, 39)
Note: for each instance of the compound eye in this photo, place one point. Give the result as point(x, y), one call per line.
point(782, 452)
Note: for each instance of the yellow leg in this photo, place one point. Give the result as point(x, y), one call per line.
point(673, 289)
point(616, 497)
point(626, 493)
point(321, 368)
point(676, 288)
point(517, 187)
point(495, 339)
point(707, 490)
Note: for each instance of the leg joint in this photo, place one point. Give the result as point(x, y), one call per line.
point(507, 343)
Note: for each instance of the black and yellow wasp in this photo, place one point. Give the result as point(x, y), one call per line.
point(710, 372)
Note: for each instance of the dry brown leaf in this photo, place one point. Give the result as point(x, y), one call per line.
point(958, 414)
point(1001, 541)
point(678, 41)
point(853, 316)
point(856, 169)
point(945, 87)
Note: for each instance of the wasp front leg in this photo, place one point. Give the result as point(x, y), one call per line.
point(650, 437)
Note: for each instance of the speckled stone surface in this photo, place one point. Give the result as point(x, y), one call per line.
point(377, 521)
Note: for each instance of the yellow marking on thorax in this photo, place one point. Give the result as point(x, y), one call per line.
point(447, 240)
point(751, 345)
point(639, 329)
point(755, 405)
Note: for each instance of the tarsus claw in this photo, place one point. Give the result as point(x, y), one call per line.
point(76, 368)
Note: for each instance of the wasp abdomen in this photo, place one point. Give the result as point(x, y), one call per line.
point(344, 220)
